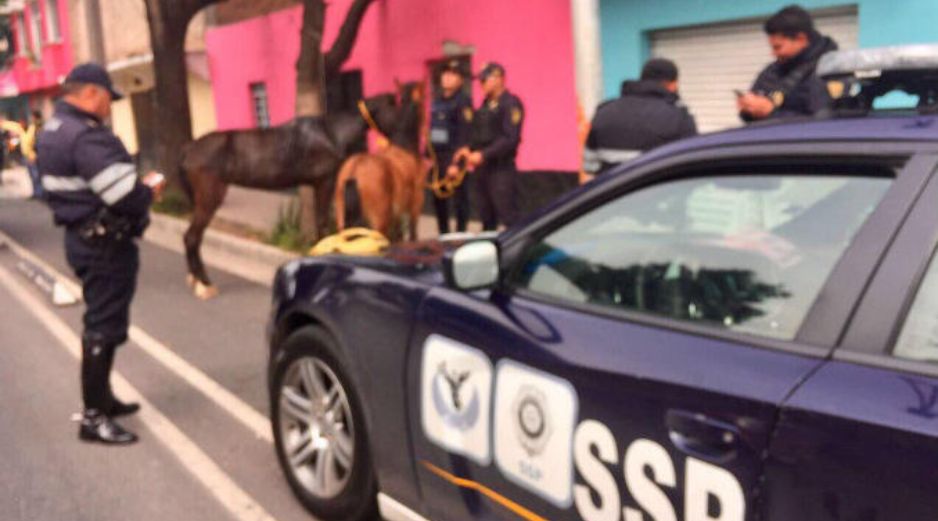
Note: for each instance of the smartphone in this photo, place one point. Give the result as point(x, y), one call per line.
point(155, 180)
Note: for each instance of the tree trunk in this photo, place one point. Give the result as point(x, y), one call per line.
point(310, 99)
point(345, 41)
point(311, 71)
point(169, 21)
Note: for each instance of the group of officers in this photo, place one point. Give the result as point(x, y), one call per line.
point(96, 194)
point(647, 114)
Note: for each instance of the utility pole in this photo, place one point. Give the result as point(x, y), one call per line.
point(95, 32)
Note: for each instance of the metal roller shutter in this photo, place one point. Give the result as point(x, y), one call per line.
point(716, 59)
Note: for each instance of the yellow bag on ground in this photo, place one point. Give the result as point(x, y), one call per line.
point(353, 241)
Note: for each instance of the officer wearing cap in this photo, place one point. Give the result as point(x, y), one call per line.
point(449, 131)
point(95, 193)
point(647, 115)
point(494, 139)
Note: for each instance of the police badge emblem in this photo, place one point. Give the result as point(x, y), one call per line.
point(467, 113)
point(533, 425)
point(778, 97)
point(515, 116)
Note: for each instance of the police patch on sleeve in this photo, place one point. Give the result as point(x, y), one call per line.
point(467, 113)
point(456, 392)
point(535, 414)
point(516, 116)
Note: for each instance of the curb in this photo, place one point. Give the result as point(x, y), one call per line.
point(242, 257)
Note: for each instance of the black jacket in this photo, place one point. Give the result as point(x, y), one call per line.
point(85, 167)
point(793, 85)
point(496, 131)
point(646, 116)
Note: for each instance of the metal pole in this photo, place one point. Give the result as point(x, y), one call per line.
point(95, 32)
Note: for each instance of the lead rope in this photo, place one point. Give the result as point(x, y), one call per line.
point(446, 187)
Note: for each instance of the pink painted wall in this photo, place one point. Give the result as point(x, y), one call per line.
point(56, 59)
point(531, 38)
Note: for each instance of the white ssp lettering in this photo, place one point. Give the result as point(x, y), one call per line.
point(594, 448)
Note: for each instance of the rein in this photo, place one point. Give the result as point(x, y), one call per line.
point(383, 141)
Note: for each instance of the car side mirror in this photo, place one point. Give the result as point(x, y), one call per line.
point(472, 266)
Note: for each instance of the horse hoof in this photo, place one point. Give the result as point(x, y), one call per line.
point(190, 280)
point(205, 292)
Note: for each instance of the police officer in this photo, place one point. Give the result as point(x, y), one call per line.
point(94, 192)
point(648, 114)
point(789, 87)
point(494, 139)
point(449, 131)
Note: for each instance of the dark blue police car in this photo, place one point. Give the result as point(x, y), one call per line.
point(738, 326)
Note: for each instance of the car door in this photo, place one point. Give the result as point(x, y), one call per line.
point(631, 363)
point(859, 440)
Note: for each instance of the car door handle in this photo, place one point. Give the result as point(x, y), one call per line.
point(702, 437)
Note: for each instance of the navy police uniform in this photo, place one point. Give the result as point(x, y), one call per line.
point(792, 85)
point(496, 133)
point(95, 194)
point(449, 131)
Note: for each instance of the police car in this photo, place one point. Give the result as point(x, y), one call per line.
point(738, 326)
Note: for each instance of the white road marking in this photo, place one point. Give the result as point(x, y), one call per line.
point(241, 505)
point(254, 421)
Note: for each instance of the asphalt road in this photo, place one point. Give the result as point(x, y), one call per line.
point(200, 456)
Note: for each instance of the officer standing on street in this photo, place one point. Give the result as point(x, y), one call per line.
point(649, 114)
point(94, 192)
point(449, 131)
point(493, 147)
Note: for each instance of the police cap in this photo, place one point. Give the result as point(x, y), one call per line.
point(490, 69)
point(453, 66)
point(93, 74)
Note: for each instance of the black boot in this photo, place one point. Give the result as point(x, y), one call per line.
point(116, 407)
point(96, 427)
point(96, 359)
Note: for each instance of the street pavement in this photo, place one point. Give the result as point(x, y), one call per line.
point(199, 367)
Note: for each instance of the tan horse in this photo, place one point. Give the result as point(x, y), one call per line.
point(382, 188)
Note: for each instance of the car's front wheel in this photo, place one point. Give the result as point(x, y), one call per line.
point(319, 429)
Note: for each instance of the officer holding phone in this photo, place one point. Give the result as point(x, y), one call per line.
point(95, 193)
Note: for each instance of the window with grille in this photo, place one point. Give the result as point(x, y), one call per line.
point(261, 104)
point(35, 32)
point(53, 31)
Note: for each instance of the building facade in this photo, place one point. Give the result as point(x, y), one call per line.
point(42, 55)
point(719, 44)
point(253, 62)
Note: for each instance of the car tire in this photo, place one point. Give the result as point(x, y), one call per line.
point(349, 495)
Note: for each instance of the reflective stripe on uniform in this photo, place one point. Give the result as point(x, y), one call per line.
point(594, 159)
point(119, 188)
point(63, 184)
point(110, 176)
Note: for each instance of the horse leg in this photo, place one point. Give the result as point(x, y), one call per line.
point(209, 194)
point(325, 191)
point(416, 206)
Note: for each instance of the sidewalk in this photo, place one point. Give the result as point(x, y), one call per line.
point(259, 210)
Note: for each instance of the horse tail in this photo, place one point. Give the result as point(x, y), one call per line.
point(346, 188)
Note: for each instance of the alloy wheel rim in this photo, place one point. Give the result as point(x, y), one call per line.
point(316, 427)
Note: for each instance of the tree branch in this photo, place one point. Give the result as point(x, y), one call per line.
point(342, 47)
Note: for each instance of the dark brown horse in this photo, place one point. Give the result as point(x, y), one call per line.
point(306, 151)
point(389, 184)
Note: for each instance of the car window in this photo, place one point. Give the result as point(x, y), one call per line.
point(918, 339)
point(747, 253)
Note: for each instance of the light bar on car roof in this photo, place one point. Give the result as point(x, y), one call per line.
point(862, 63)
